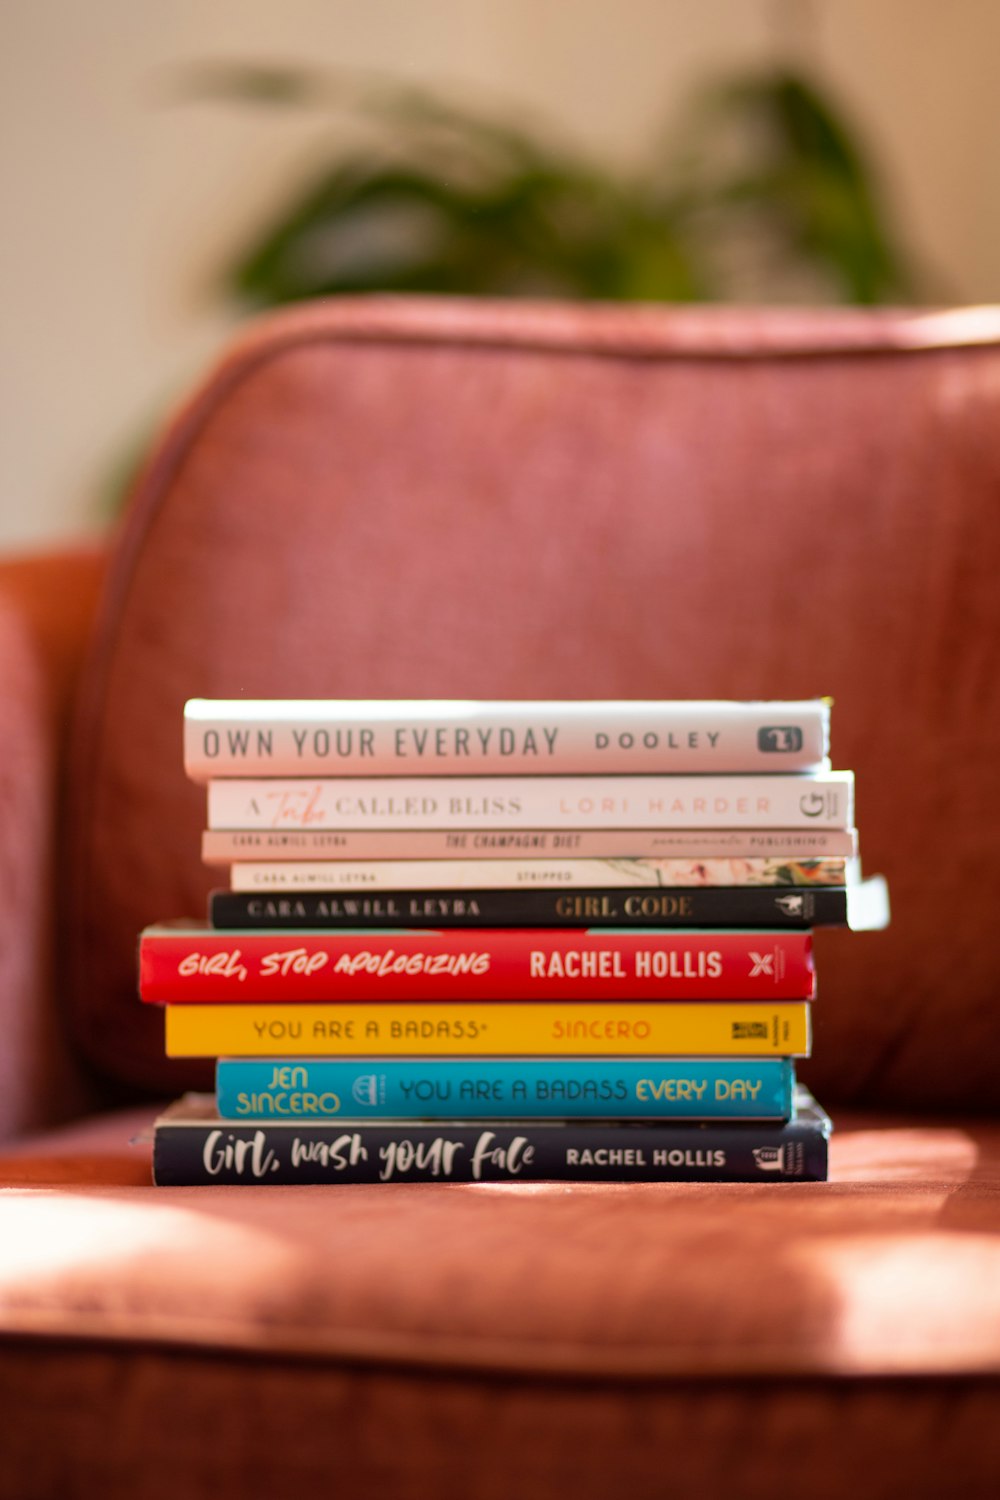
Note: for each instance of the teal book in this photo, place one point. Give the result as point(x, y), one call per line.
point(670, 1088)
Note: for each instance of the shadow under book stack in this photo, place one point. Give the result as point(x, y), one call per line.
point(504, 941)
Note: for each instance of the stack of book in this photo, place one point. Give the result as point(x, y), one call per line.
point(505, 941)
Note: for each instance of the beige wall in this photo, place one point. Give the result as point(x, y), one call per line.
point(119, 205)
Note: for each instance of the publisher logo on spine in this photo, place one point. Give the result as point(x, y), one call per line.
point(796, 904)
point(787, 1160)
point(769, 1158)
point(369, 1089)
point(779, 739)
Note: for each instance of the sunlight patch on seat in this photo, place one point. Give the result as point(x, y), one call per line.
point(910, 1302)
point(43, 1236)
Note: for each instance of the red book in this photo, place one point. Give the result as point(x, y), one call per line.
point(181, 962)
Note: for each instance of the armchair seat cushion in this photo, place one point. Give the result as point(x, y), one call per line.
point(538, 1318)
point(892, 1268)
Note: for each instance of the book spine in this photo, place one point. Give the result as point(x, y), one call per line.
point(513, 874)
point(718, 906)
point(223, 846)
point(821, 800)
point(188, 1155)
point(444, 739)
point(198, 965)
point(514, 1029)
point(491, 1089)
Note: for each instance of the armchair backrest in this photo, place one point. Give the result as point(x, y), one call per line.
point(406, 498)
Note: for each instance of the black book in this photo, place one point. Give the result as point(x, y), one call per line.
point(689, 906)
point(192, 1145)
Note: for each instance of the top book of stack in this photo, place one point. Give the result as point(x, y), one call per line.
point(374, 737)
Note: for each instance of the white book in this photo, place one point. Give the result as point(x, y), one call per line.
point(515, 874)
point(399, 737)
point(224, 846)
point(808, 800)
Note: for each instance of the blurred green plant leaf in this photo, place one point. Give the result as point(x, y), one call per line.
point(769, 151)
point(442, 197)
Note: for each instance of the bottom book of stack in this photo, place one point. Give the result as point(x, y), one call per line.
point(193, 1144)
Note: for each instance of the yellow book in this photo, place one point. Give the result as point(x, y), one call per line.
point(505, 1029)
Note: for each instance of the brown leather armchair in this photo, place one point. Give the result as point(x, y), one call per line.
point(403, 498)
